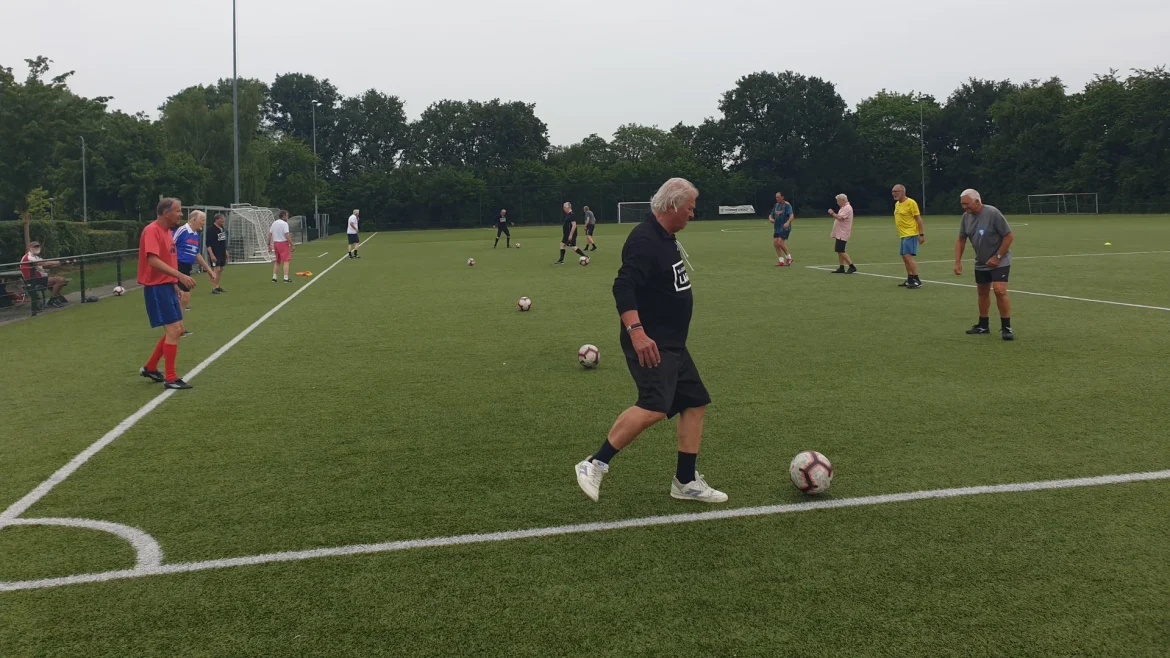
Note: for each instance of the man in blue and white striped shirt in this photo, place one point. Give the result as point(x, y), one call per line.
point(187, 250)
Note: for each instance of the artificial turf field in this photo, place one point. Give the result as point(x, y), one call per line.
point(403, 396)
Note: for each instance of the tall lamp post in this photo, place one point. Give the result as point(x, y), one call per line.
point(316, 214)
point(235, 107)
point(84, 194)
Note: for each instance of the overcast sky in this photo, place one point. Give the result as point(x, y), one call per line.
point(589, 65)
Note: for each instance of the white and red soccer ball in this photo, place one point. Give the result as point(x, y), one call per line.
point(517, 245)
point(588, 356)
point(524, 303)
point(811, 472)
point(119, 291)
point(471, 262)
point(584, 260)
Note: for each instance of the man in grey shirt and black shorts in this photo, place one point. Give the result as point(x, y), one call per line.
point(590, 223)
point(991, 236)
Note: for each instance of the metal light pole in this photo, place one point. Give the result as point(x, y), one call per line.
point(922, 154)
point(316, 215)
point(235, 107)
point(52, 201)
point(84, 195)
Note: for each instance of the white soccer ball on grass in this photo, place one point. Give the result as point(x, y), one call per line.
point(119, 291)
point(584, 261)
point(524, 303)
point(470, 262)
point(811, 472)
point(589, 356)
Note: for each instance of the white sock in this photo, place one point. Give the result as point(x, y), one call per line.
point(789, 257)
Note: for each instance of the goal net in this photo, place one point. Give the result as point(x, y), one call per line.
point(632, 212)
point(1064, 203)
point(247, 229)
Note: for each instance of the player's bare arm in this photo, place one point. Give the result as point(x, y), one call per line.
point(206, 268)
point(644, 345)
point(1008, 239)
point(960, 246)
point(921, 229)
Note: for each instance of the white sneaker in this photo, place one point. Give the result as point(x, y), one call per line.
point(698, 490)
point(589, 474)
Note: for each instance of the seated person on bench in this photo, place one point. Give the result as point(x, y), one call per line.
point(32, 266)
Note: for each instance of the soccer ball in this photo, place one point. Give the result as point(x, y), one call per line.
point(119, 291)
point(584, 261)
point(811, 472)
point(517, 245)
point(524, 303)
point(470, 262)
point(589, 356)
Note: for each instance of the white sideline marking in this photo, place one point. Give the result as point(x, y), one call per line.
point(22, 505)
point(951, 260)
point(148, 554)
point(511, 535)
point(1012, 291)
point(327, 253)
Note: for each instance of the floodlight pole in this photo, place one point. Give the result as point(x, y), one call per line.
point(922, 154)
point(84, 195)
point(235, 108)
point(316, 216)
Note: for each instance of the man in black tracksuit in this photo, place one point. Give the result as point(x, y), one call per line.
point(653, 294)
point(502, 229)
point(568, 233)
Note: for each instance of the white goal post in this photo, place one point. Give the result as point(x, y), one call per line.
point(247, 229)
point(1063, 203)
point(632, 212)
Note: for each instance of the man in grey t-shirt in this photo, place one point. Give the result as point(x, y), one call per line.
point(991, 236)
point(590, 223)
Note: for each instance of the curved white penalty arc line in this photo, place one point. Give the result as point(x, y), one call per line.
point(148, 553)
point(601, 526)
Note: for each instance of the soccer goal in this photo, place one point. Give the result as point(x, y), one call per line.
point(632, 212)
point(1064, 203)
point(247, 229)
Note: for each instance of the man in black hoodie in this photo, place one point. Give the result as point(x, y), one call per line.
point(653, 294)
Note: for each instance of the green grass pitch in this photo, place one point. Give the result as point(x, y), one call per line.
point(403, 396)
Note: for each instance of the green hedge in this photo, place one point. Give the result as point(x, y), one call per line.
point(131, 228)
point(61, 239)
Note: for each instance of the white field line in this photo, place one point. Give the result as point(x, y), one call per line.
point(1014, 258)
point(324, 254)
point(22, 505)
point(1012, 291)
point(891, 229)
point(602, 526)
point(148, 554)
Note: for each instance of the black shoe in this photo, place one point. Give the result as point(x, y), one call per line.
point(274, 279)
point(152, 375)
point(219, 290)
point(904, 284)
point(288, 280)
point(852, 269)
point(55, 304)
point(216, 291)
point(177, 384)
point(839, 270)
point(559, 262)
point(978, 330)
point(913, 285)
point(186, 332)
point(1007, 334)
point(356, 255)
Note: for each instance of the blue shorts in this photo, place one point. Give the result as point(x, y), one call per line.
point(162, 305)
point(910, 246)
point(783, 235)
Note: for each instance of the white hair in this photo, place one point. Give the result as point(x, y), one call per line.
point(356, 211)
point(196, 214)
point(567, 205)
point(842, 197)
point(972, 195)
point(672, 195)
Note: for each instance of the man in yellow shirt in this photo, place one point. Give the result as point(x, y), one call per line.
point(911, 231)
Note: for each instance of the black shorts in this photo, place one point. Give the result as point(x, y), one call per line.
point(502, 229)
point(589, 229)
point(998, 275)
point(567, 242)
point(839, 247)
point(184, 268)
point(220, 257)
point(672, 387)
point(352, 237)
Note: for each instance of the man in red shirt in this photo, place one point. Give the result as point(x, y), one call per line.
point(158, 272)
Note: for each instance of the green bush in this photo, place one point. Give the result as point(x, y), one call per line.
point(132, 229)
point(62, 239)
point(103, 241)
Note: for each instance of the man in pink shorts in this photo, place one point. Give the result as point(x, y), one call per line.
point(280, 243)
point(842, 228)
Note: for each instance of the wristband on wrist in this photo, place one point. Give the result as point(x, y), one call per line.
point(630, 329)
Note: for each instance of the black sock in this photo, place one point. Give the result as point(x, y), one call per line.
point(605, 453)
point(983, 322)
point(507, 241)
point(579, 252)
point(1005, 323)
point(685, 473)
point(497, 243)
point(915, 277)
point(562, 254)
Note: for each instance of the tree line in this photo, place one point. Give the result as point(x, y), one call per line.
point(461, 161)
